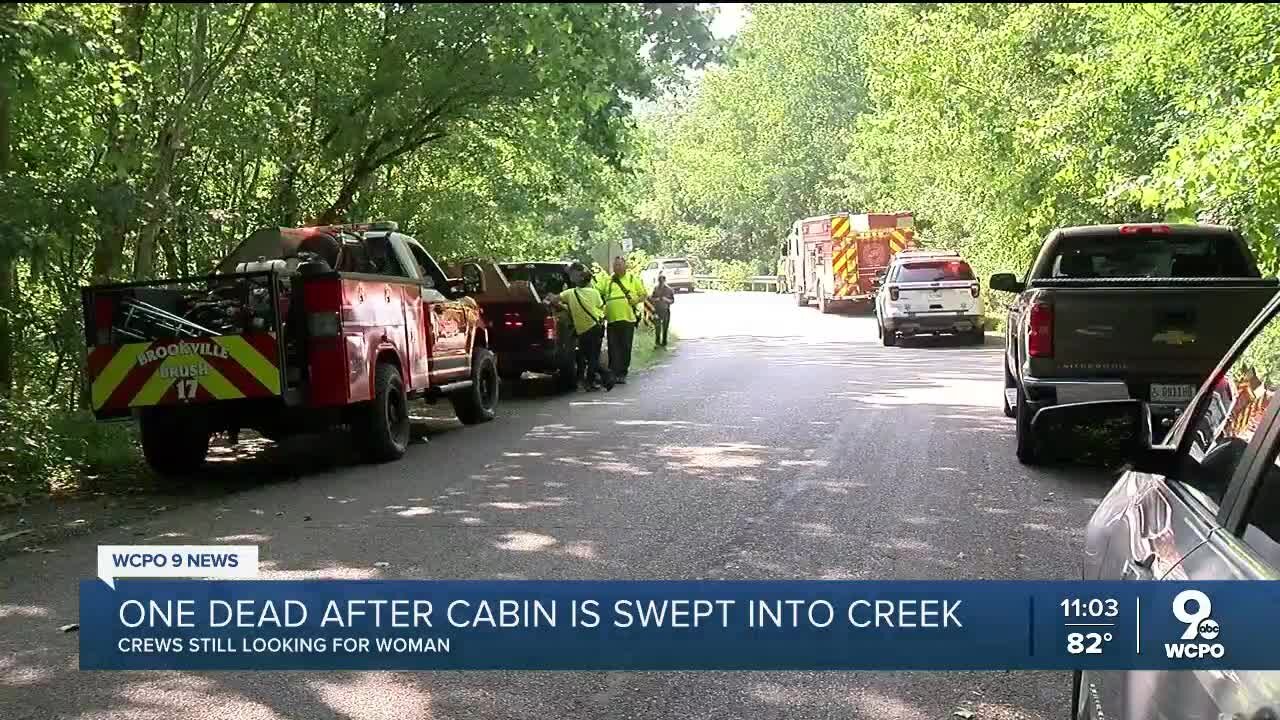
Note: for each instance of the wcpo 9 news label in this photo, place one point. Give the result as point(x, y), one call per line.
point(200, 608)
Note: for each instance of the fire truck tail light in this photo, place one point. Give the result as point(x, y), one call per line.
point(974, 289)
point(1040, 331)
point(328, 379)
point(893, 293)
point(549, 327)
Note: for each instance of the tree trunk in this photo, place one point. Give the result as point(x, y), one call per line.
point(117, 202)
point(347, 196)
point(8, 254)
point(172, 134)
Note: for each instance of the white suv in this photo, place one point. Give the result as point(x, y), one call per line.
point(679, 274)
point(929, 292)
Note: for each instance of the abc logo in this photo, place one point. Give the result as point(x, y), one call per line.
point(1194, 608)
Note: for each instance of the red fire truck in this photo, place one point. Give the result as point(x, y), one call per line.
point(297, 330)
point(833, 260)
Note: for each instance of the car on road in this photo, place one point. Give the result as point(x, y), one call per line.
point(1200, 504)
point(298, 330)
point(928, 292)
point(678, 271)
point(1140, 311)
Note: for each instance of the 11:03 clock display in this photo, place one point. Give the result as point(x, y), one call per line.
point(1094, 607)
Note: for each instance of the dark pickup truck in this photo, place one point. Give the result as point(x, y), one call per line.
point(526, 333)
point(1139, 311)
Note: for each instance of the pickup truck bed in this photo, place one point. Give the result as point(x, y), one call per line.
point(1080, 331)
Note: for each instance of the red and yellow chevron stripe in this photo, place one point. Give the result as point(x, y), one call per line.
point(899, 240)
point(167, 372)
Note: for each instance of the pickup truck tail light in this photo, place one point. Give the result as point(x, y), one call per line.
point(549, 327)
point(974, 289)
point(1040, 331)
point(893, 293)
point(103, 312)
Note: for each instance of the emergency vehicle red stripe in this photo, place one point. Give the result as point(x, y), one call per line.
point(98, 358)
point(265, 344)
point(132, 383)
point(237, 375)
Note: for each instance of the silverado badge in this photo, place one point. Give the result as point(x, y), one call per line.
point(1174, 337)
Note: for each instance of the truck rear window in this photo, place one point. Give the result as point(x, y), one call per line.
point(546, 279)
point(936, 271)
point(1155, 257)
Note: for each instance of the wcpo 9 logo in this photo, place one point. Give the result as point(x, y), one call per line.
point(1195, 609)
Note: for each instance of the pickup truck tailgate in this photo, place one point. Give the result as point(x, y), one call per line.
point(1147, 331)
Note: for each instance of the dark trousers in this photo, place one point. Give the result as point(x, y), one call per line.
point(589, 354)
point(621, 335)
point(661, 324)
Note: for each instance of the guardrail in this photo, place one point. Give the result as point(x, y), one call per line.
point(764, 283)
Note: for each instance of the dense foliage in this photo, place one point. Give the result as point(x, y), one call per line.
point(144, 139)
point(992, 122)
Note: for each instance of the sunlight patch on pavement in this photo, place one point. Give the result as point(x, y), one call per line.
point(416, 511)
point(27, 611)
point(524, 541)
point(268, 571)
point(375, 696)
point(247, 538)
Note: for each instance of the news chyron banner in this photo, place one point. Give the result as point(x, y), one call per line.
point(199, 608)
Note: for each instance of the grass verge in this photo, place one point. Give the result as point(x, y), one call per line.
point(643, 352)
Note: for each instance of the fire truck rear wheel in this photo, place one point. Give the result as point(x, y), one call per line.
point(172, 445)
point(383, 432)
point(478, 403)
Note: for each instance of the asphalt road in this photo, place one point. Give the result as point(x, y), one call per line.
point(773, 443)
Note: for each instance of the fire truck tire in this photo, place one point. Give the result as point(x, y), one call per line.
point(823, 306)
point(383, 432)
point(1027, 452)
point(478, 403)
point(173, 446)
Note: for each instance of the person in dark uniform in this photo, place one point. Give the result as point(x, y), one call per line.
point(661, 299)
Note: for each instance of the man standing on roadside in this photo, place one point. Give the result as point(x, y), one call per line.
point(662, 299)
point(623, 295)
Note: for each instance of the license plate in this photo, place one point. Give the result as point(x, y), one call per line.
point(1172, 393)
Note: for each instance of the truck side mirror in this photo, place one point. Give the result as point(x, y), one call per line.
point(1006, 282)
point(472, 279)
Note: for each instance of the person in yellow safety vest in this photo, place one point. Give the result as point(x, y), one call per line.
point(623, 294)
point(586, 308)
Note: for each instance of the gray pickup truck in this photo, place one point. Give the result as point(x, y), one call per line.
point(1140, 311)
